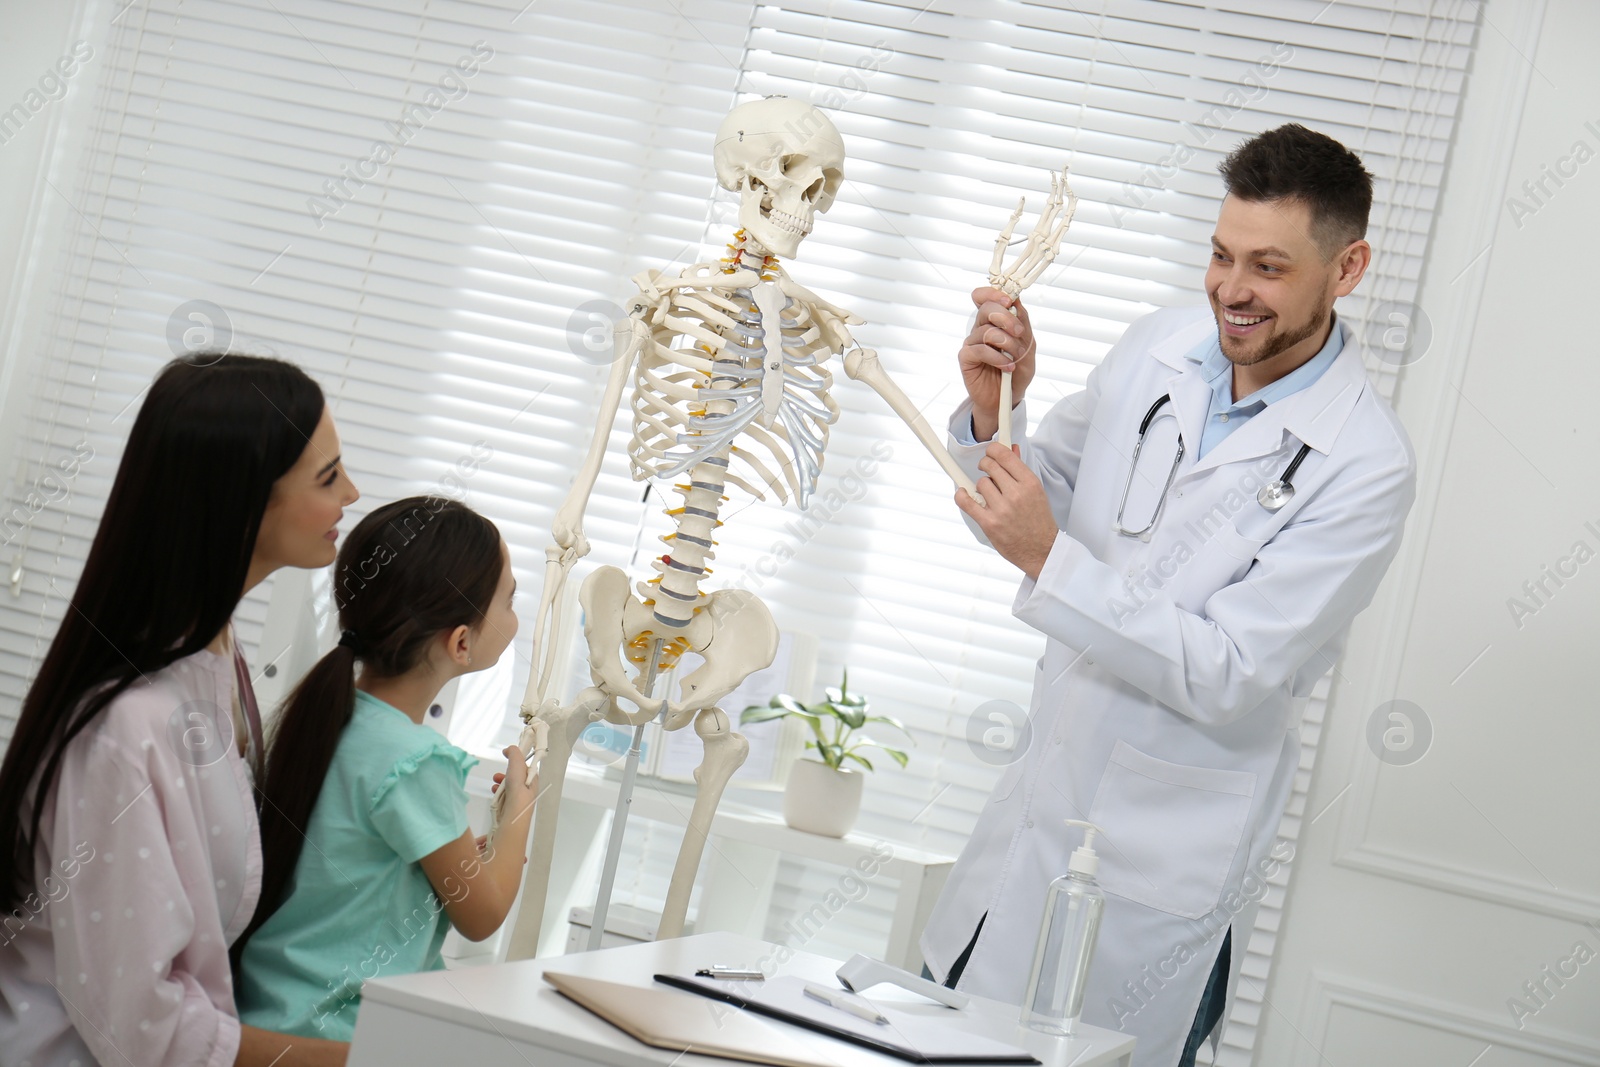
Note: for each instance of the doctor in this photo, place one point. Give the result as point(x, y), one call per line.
point(1191, 601)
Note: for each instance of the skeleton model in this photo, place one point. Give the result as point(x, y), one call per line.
point(729, 387)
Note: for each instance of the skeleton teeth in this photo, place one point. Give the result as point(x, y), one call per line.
point(785, 221)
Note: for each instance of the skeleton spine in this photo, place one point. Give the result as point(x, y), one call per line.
point(682, 568)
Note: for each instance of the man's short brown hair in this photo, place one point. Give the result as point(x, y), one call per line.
point(1294, 163)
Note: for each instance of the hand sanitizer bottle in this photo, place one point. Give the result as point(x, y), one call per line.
point(1072, 910)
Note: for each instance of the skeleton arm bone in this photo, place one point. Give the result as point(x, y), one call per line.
point(535, 742)
point(862, 365)
point(567, 528)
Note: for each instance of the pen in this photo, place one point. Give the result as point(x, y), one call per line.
point(741, 974)
point(835, 998)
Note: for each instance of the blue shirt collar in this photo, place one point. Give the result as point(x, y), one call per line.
point(1217, 371)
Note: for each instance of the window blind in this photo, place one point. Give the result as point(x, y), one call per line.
point(436, 246)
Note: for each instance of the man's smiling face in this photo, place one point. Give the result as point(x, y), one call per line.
point(1269, 286)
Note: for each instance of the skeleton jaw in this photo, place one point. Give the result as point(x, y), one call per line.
point(775, 229)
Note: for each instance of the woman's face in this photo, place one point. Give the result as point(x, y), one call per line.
point(300, 527)
point(499, 624)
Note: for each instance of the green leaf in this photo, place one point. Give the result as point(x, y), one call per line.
point(888, 720)
point(899, 756)
point(828, 753)
point(853, 717)
point(833, 755)
point(821, 708)
point(834, 696)
point(761, 713)
point(859, 759)
point(787, 703)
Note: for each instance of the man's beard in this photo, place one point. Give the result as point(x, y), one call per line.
point(1279, 342)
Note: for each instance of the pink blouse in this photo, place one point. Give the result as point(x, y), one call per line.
point(148, 868)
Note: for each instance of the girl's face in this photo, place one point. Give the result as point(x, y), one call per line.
point(300, 526)
point(499, 624)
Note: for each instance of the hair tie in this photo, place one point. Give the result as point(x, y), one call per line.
point(347, 639)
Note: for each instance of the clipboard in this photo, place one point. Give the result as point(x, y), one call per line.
point(907, 1036)
point(667, 1020)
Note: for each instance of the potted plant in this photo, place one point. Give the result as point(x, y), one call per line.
point(824, 795)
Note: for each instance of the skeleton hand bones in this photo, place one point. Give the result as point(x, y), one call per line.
point(1040, 251)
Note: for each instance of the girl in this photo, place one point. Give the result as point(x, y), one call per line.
point(129, 852)
point(363, 818)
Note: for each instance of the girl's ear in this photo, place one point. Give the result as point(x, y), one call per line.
point(458, 646)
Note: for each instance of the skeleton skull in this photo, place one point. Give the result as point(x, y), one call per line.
point(785, 159)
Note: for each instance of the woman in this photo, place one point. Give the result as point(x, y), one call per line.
point(129, 850)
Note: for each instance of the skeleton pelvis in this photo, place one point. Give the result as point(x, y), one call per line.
point(734, 633)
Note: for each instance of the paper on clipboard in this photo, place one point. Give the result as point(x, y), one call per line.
point(906, 1035)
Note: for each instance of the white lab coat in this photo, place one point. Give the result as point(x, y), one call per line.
point(1167, 705)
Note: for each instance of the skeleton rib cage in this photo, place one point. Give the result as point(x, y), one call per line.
point(704, 386)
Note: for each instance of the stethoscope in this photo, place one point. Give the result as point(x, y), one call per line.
point(1272, 496)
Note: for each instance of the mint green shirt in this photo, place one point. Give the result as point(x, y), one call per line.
point(359, 905)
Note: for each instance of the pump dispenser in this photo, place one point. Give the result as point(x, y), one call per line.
point(1072, 909)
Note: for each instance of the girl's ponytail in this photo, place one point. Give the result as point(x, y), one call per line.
point(304, 739)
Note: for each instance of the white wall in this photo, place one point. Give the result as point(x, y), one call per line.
point(1425, 895)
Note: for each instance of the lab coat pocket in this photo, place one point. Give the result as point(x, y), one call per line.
point(1234, 544)
point(1171, 831)
point(1220, 560)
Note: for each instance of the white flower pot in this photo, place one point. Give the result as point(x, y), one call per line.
point(821, 800)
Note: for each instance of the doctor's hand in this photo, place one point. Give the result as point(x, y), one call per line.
point(1001, 339)
point(1017, 521)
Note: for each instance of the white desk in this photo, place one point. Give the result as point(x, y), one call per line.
point(507, 1015)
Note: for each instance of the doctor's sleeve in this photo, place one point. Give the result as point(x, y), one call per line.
point(1302, 589)
point(1054, 453)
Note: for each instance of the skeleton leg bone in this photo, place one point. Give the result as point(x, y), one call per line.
point(564, 725)
point(725, 753)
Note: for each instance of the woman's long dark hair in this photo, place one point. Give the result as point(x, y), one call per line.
point(167, 567)
point(408, 572)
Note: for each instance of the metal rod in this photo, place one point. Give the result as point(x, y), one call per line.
point(619, 818)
